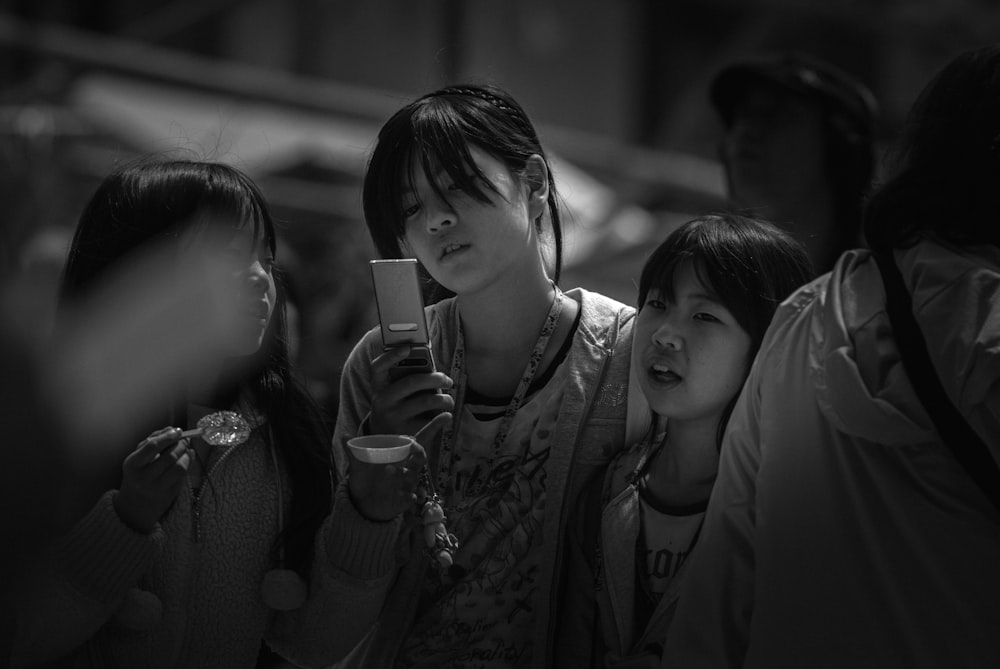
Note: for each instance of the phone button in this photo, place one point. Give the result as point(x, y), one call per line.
point(402, 327)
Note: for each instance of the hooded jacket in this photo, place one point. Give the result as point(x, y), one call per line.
point(841, 531)
point(390, 561)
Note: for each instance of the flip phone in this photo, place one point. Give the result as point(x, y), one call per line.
point(401, 314)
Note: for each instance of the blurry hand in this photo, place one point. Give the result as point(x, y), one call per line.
point(382, 492)
point(402, 406)
point(153, 475)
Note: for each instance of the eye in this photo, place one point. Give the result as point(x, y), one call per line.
point(411, 211)
point(656, 304)
point(268, 263)
point(706, 317)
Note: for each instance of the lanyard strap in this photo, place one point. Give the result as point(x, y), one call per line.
point(458, 375)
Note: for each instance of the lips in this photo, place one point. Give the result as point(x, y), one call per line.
point(452, 248)
point(257, 310)
point(664, 374)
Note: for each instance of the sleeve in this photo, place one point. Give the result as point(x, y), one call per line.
point(711, 626)
point(356, 560)
point(72, 595)
point(352, 574)
point(355, 398)
point(578, 639)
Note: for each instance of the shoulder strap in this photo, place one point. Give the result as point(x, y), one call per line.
point(967, 447)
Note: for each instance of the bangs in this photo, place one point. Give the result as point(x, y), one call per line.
point(663, 277)
point(233, 198)
point(720, 262)
point(436, 138)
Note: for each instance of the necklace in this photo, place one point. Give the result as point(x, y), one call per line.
point(442, 544)
point(458, 374)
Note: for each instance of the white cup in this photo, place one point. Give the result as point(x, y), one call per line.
point(381, 449)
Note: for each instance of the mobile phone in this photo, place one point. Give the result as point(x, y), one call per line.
point(401, 314)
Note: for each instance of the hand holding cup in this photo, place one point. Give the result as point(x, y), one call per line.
point(385, 470)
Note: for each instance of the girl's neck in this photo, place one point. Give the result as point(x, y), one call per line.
point(506, 315)
point(684, 470)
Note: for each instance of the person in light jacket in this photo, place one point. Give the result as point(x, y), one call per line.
point(843, 531)
point(706, 297)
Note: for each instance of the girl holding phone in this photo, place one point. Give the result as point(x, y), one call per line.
point(529, 396)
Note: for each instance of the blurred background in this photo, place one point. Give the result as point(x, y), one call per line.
point(293, 91)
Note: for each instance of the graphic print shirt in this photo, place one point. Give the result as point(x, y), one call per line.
point(481, 614)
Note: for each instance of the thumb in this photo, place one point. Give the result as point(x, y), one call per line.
point(433, 429)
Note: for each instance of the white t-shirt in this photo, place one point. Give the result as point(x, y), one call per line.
point(668, 535)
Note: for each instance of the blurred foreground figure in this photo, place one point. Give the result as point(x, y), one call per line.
point(846, 529)
point(798, 148)
point(185, 551)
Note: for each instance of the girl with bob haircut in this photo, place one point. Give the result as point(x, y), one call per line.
point(846, 527)
point(535, 379)
point(706, 297)
point(196, 553)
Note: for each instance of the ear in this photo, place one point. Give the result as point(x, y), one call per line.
point(536, 180)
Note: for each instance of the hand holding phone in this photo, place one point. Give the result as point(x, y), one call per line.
point(407, 391)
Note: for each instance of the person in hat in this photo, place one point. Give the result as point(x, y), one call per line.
point(798, 148)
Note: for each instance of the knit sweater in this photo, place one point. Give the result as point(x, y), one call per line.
point(590, 431)
point(204, 563)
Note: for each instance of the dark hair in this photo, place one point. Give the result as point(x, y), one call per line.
point(850, 163)
point(153, 201)
point(947, 161)
point(750, 265)
point(437, 131)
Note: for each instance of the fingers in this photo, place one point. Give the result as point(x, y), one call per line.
point(433, 429)
point(383, 363)
point(172, 462)
point(151, 447)
point(418, 457)
point(399, 408)
point(404, 481)
point(415, 384)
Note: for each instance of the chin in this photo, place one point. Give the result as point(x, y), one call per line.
point(461, 282)
point(245, 348)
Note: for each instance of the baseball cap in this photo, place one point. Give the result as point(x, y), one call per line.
point(810, 77)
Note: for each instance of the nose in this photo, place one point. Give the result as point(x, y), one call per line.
point(667, 335)
point(257, 278)
point(440, 218)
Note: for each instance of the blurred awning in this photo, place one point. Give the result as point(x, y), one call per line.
point(306, 140)
point(271, 141)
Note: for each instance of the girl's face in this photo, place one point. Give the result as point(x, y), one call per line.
point(694, 354)
point(241, 293)
point(466, 244)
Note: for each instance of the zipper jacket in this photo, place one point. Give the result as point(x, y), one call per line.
point(597, 625)
point(590, 431)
